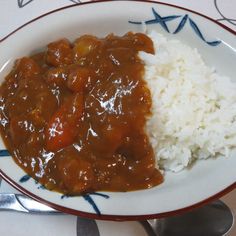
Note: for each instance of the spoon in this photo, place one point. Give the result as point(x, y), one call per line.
point(214, 219)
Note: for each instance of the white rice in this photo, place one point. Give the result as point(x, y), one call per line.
point(194, 108)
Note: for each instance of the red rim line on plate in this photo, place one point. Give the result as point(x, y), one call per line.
point(118, 217)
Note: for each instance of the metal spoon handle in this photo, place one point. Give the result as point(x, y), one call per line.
point(148, 228)
point(22, 203)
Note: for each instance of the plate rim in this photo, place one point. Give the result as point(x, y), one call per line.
point(117, 217)
point(100, 1)
point(108, 216)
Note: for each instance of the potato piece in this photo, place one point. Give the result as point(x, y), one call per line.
point(56, 76)
point(143, 43)
point(78, 79)
point(84, 45)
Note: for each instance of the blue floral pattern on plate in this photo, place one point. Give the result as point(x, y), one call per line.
point(4, 153)
point(158, 19)
point(87, 197)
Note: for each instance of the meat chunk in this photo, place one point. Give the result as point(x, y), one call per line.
point(59, 53)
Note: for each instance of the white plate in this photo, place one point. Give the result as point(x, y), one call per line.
point(206, 180)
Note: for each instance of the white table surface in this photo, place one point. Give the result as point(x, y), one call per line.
point(14, 13)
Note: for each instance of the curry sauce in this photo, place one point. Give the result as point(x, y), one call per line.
point(73, 117)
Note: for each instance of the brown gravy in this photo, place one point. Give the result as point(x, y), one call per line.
point(73, 117)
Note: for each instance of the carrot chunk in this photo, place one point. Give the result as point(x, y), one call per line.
point(63, 127)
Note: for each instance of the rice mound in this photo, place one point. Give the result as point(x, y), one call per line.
point(194, 108)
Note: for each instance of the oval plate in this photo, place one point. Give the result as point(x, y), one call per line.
point(206, 180)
